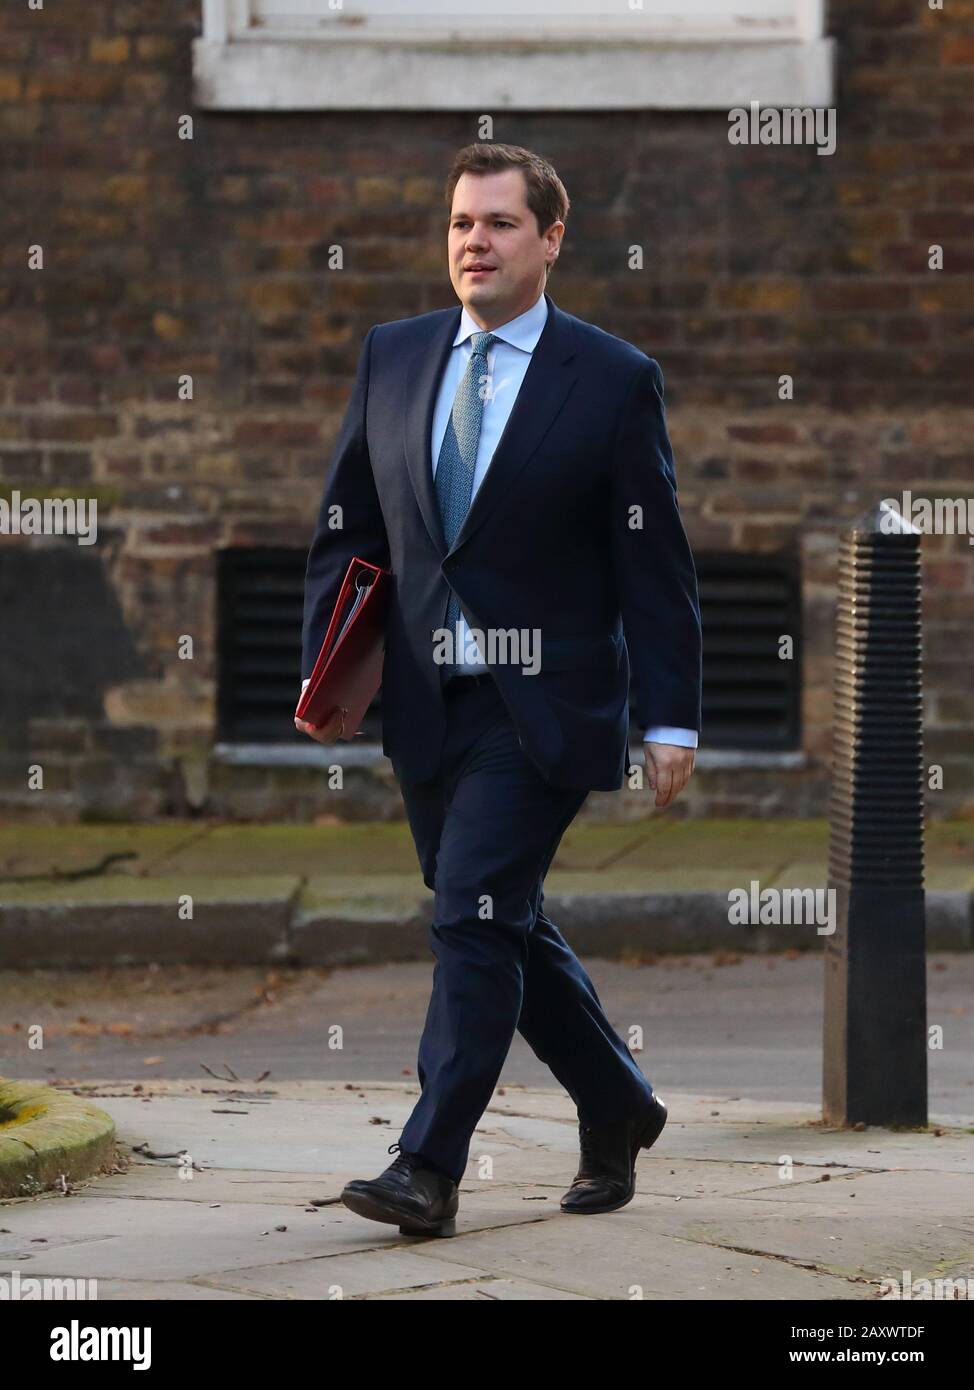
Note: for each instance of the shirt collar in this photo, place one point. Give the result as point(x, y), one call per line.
point(522, 332)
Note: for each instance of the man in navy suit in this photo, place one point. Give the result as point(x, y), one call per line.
point(510, 464)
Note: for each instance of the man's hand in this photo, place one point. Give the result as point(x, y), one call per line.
point(668, 769)
point(324, 733)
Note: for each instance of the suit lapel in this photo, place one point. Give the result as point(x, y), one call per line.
point(423, 375)
point(548, 380)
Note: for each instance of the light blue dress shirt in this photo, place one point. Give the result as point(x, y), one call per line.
point(507, 362)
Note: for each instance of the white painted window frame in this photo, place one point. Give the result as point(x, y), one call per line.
point(646, 61)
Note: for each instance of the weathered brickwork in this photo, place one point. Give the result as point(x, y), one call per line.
point(209, 256)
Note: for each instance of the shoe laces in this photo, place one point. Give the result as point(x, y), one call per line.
point(404, 1162)
point(595, 1143)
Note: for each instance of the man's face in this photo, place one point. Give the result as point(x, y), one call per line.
point(492, 226)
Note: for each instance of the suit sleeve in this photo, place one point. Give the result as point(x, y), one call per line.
point(350, 521)
point(653, 564)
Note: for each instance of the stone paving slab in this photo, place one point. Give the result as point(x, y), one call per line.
point(358, 849)
point(953, 878)
point(640, 879)
point(608, 1257)
point(27, 850)
point(160, 1182)
point(169, 1291)
point(660, 841)
point(899, 1189)
point(484, 1289)
point(160, 890)
point(800, 872)
point(837, 1239)
point(368, 1272)
point(654, 843)
point(87, 1237)
point(711, 1219)
point(368, 895)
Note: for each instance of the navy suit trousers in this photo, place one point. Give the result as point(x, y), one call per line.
point(486, 829)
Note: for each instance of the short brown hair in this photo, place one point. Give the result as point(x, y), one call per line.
point(546, 194)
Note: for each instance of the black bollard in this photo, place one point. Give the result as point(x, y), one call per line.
point(875, 1043)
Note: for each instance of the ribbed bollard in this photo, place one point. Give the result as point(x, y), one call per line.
point(875, 1052)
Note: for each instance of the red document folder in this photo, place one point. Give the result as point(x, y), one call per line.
point(348, 671)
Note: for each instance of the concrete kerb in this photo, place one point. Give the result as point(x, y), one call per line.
point(609, 925)
point(46, 1135)
point(276, 927)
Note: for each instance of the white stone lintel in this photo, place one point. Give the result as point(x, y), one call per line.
point(380, 75)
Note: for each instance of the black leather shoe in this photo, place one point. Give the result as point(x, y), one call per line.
point(606, 1177)
point(419, 1200)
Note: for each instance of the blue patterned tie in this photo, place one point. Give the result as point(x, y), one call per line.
point(457, 458)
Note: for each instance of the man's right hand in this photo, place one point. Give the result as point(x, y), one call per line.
point(324, 733)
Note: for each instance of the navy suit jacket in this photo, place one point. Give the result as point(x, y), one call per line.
point(547, 544)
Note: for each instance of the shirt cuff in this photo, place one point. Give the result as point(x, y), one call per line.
point(665, 733)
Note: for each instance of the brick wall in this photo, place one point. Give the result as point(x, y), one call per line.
point(165, 256)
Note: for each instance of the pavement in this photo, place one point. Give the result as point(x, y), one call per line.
point(350, 893)
point(216, 940)
point(739, 1200)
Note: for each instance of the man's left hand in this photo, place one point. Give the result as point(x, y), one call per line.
point(668, 769)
